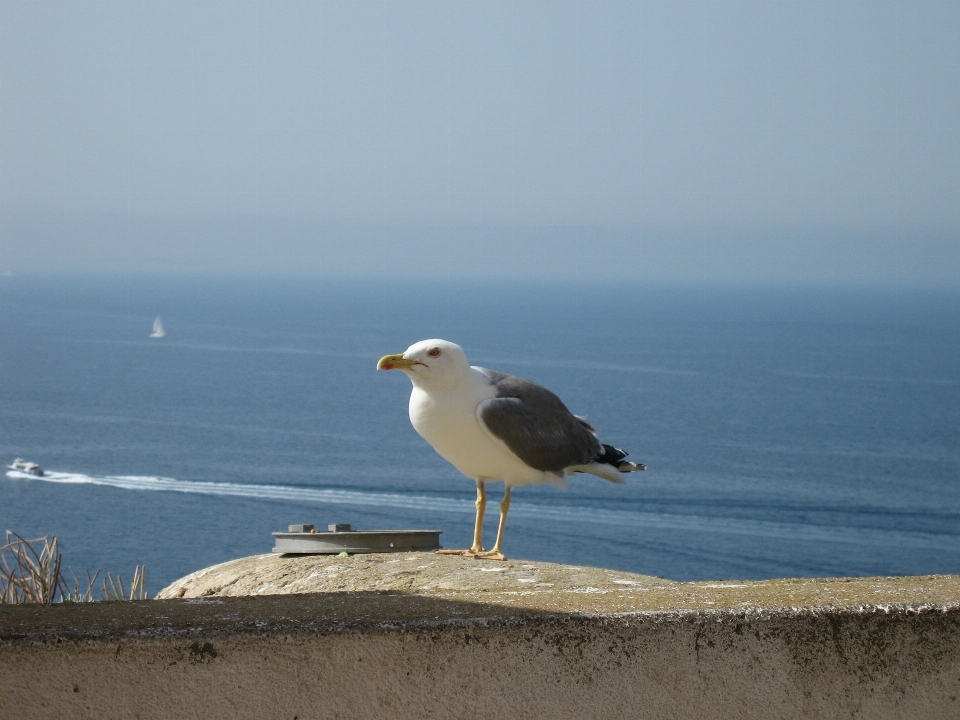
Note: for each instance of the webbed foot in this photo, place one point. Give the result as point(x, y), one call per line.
point(491, 555)
point(472, 552)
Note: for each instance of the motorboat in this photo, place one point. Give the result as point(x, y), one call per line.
point(27, 467)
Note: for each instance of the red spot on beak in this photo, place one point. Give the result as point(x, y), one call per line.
point(388, 366)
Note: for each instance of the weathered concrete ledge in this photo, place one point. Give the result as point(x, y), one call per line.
point(406, 635)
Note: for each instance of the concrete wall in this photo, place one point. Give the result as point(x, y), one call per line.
point(370, 655)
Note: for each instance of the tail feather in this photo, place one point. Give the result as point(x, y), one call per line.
point(602, 470)
point(609, 465)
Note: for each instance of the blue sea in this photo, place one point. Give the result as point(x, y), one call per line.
point(787, 432)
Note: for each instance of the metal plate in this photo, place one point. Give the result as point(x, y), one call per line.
point(356, 542)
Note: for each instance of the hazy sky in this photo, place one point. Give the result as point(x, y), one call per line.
point(723, 141)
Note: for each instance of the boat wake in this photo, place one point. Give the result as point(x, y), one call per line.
point(634, 522)
point(291, 493)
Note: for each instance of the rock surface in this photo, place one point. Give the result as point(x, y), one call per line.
point(543, 586)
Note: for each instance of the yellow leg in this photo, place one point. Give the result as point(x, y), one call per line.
point(495, 553)
point(477, 546)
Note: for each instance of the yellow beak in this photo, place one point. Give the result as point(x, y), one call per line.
point(395, 362)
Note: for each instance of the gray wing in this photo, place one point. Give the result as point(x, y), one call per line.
point(536, 425)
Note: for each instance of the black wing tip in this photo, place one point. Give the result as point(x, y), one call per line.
point(610, 455)
point(615, 456)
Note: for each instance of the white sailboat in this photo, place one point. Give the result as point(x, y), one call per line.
point(158, 331)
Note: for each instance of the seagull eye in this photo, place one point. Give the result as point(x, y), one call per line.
point(435, 352)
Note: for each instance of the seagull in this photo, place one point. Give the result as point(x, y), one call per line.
point(496, 427)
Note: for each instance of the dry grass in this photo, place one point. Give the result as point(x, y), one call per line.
point(29, 575)
point(76, 594)
point(30, 572)
point(113, 588)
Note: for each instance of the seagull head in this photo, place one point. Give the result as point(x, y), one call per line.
point(429, 363)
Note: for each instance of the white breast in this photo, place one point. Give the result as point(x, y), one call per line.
point(448, 421)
